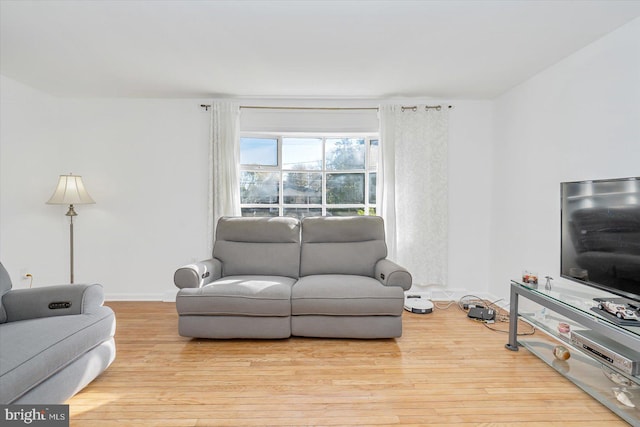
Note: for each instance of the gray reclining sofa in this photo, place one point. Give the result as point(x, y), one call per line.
point(277, 277)
point(54, 341)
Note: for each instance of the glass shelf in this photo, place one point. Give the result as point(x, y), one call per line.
point(582, 298)
point(592, 377)
point(576, 305)
point(580, 301)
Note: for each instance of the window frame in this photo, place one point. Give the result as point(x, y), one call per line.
point(367, 207)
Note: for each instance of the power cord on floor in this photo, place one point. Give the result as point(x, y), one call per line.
point(500, 320)
point(442, 305)
point(500, 317)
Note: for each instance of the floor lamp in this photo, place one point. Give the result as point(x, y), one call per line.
point(70, 191)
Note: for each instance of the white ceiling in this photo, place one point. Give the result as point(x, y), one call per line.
point(295, 49)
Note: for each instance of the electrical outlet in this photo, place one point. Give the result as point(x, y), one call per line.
point(26, 276)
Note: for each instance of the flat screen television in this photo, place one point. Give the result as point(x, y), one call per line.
point(600, 234)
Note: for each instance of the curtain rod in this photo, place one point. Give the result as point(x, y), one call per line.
point(255, 107)
point(426, 108)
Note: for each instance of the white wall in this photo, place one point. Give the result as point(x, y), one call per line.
point(30, 150)
point(577, 120)
point(143, 161)
point(145, 164)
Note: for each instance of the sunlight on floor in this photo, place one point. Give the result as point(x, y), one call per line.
point(88, 400)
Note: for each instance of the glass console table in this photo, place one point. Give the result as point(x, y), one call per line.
point(575, 305)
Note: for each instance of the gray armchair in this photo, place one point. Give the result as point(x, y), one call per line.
point(53, 341)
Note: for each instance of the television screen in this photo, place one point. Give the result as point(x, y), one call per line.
point(600, 234)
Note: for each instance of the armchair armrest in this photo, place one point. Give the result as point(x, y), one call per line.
point(391, 274)
point(198, 274)
point(48, 301)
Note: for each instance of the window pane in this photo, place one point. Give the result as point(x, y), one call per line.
point(345, 153)
point(260, 211)
point(302, 153)
point(373, 154)
point(302, 212)
point(302, 188)
point(309, 175)
point(345, 188)
point(372, 188)
point(345, 212)
point(259, 187)
point(259, 151)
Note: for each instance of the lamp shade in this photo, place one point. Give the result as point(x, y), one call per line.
point(70, 191)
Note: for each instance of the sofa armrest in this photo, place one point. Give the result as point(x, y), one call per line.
point(48, 301)
point(198, 274)
point(391, 274)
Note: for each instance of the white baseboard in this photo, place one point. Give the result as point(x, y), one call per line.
point(167, 296)
point(170, 296)
point(434, 293)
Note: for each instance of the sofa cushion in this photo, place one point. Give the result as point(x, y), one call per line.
point(33, 350)
point(238, 296)
point(342, 245)
point(345, 295)
point(258, 246)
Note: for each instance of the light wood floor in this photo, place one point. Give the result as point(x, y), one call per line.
point(445, 370)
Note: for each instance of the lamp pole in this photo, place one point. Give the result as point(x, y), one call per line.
point(71, 213)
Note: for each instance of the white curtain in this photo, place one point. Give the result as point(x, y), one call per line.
point(413, 199)
point(224, 164)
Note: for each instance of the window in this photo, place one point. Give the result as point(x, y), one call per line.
point(308, 176)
